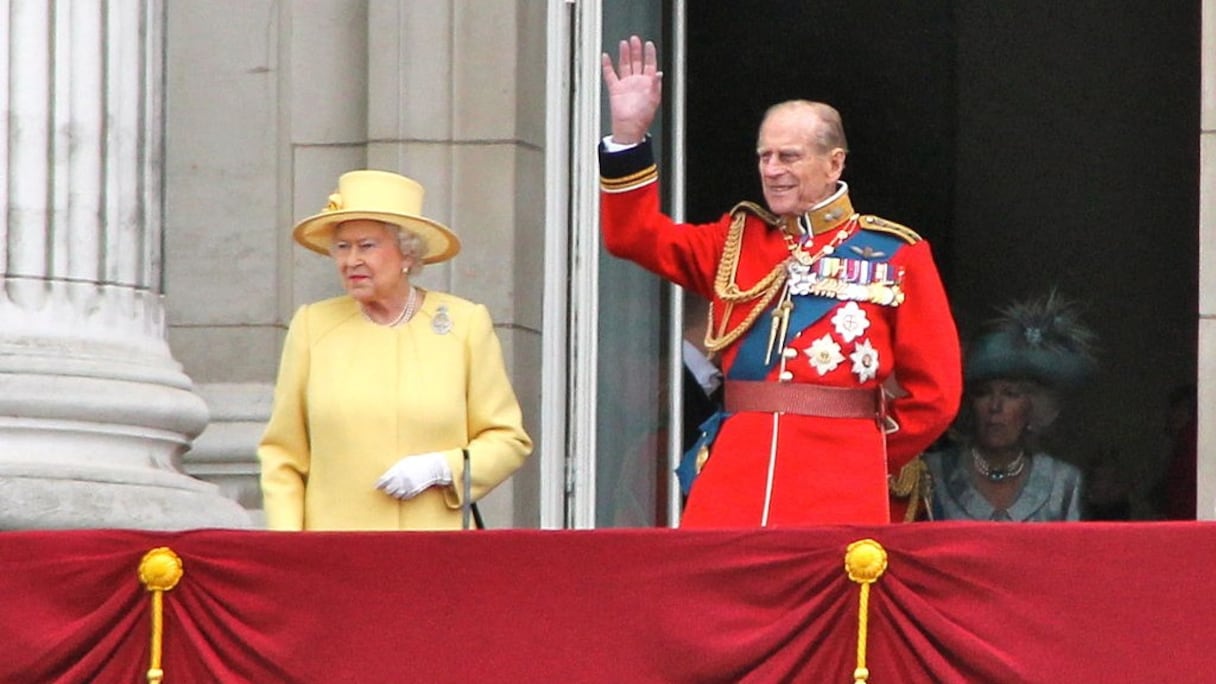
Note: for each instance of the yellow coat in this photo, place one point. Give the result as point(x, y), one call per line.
point(353, 397)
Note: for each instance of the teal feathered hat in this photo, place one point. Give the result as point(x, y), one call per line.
point(1042, 340)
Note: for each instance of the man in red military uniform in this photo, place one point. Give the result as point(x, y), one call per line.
point(815, 310)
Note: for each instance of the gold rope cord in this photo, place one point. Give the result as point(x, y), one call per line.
point(864, 561)
point(727, 289)
point(913, 483)
point(159, 570)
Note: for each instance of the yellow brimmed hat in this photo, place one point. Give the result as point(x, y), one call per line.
point(379, 196)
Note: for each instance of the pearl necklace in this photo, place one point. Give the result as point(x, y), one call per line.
point(407, 312)
point(1015, 467)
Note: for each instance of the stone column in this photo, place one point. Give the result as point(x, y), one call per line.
point(94, 411)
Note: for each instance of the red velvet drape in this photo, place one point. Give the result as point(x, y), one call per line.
point(960, 602)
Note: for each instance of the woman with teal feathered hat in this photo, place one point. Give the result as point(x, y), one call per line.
point(1016, 374)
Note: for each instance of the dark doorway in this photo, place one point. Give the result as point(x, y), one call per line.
point(1036, 143)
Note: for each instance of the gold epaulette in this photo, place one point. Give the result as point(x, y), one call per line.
point(758, 211)
point(882, 225)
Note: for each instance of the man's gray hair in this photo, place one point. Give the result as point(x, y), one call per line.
point(829, 134)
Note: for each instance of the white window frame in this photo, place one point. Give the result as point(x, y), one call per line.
point(571, 292)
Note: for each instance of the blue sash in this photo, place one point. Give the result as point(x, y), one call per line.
point(749, 362)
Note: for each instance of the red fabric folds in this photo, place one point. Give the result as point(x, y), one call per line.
point(959, 602)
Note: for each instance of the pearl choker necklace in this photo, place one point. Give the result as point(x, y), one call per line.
point(407, 312)
point(1015, 467)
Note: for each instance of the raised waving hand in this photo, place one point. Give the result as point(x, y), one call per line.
point(635, 89)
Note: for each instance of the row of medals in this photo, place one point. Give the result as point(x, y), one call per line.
point(820, 274)
point(858, 280)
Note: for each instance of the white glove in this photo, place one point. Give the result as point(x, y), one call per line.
point(412, 474)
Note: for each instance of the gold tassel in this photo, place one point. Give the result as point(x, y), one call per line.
point(159, 570)
point(864, 562)
point(914, 484)
point(779, 327)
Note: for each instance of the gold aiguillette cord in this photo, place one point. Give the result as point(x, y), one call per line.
point(780, 324)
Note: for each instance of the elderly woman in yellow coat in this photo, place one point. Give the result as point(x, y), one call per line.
point(380, 390)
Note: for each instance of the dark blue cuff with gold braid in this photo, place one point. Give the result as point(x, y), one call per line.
point(628, 169)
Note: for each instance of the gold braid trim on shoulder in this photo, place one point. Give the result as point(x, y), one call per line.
point(764, 214)
point(727, 289)
point(882, 225)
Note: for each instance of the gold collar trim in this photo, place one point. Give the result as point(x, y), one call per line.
point(830, 214)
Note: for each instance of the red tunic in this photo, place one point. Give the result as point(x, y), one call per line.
point(823, 470)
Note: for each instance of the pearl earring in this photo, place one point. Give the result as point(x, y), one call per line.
point(405, 269)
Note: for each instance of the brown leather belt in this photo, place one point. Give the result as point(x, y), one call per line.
point(803, 399)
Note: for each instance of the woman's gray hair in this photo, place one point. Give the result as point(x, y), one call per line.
point(410, 245)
